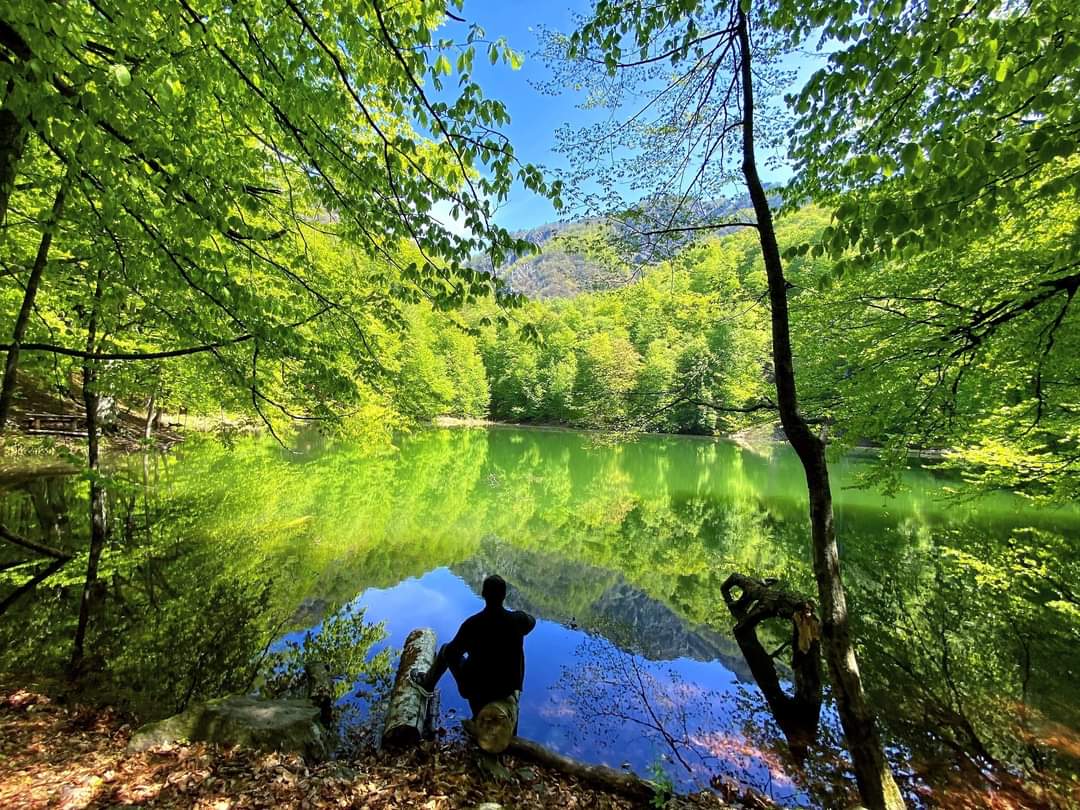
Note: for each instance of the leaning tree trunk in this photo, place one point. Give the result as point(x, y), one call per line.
point(11, 366)
point(876, 785)
point(98, 525)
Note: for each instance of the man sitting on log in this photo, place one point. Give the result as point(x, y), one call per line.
point(486, 658)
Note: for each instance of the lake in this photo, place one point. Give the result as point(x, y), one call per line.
point(619, 547)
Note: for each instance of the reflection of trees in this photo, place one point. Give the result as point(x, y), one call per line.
point(967, 657)
point(647, 529)
point(173, 621)
point(725, 739)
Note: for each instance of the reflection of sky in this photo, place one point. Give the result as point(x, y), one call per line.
point(558, 661)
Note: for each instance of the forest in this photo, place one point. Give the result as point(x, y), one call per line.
point(849, 228)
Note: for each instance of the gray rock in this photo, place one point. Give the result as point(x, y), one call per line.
point(268, 725)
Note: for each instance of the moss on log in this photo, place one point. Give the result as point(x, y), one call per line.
point(407, 718)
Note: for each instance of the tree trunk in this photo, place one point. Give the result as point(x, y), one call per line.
point(13, 129)
point(98, 525)
point(408, 718)
point(876, 785)
point(12, 143)
point(7, 391)
point(151, 413)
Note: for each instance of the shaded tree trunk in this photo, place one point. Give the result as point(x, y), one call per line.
point(12, 143)
point(13, 129)
point(98, 524)
point(7, 391)
point(876, 784)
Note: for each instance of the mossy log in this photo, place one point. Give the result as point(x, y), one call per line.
point(409, 716)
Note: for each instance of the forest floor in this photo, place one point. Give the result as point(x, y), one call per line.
point(64, 755)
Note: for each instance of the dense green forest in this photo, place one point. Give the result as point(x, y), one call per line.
point(287, 219)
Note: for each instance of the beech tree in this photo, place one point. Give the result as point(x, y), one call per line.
point(166, 173)
point(945, 139)
point(684, 80)
point(204, 136)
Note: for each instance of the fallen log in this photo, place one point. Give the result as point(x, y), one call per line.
point(408, 719)
point(624, 783)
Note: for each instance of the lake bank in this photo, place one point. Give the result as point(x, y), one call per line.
point(60, 754)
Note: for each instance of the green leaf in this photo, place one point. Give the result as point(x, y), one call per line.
point(121, 75)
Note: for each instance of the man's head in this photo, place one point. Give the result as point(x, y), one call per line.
point(494, 590)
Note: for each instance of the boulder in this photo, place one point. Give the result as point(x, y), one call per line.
point(269, 725)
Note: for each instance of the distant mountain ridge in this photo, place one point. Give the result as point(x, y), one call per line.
point(568, 264)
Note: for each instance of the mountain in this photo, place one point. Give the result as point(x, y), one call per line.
point(566, 265)
point(598, 601)
point(576, 256)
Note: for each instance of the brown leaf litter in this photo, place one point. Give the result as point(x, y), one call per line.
point(73, 757)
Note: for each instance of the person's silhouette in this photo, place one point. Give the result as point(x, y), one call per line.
point(487, 656)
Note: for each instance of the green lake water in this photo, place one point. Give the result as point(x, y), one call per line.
point(619, 547)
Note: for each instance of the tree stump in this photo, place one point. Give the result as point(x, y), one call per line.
point(494, 725)
point(320, 689)
point(408, 719)
point(798, 714)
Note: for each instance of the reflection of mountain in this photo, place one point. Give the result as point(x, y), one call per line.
point(597, 601)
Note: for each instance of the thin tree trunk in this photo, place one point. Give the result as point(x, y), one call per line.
point(148, 428)
point(876, 785)
point(11, 367)
point(98, 525)
point(13, 129)
point(12, 143)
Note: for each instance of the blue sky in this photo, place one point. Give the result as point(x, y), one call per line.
point(534, 116)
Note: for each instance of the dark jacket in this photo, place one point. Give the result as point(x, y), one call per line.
point(494, 641)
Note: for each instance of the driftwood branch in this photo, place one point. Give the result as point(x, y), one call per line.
point(39, 548)
point(609, 779)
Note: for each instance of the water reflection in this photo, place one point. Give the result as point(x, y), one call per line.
point(962, 608)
